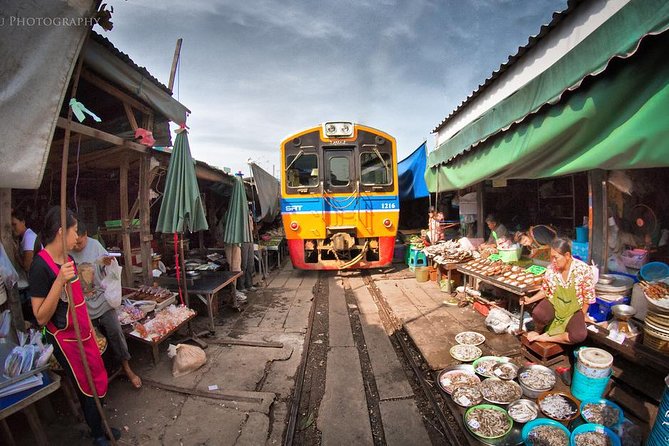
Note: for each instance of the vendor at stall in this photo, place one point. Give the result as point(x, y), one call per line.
point(52, 269)
point(435, 225)
point(567, 291)
point(89, 251)
point(498, 232)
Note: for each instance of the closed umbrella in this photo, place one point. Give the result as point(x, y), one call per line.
point(181, 208)
point(237, 220)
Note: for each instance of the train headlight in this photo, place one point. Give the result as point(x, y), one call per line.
point(294, 225)
point(387, 223)
point(338, 129)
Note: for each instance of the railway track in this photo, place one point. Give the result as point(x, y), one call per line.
point(443, 426)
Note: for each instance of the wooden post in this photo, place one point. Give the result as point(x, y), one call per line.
point(145, 218)
point(480, 216)
point(13, 298)
point(175, 63)
point(125, 223)
point(597, 217)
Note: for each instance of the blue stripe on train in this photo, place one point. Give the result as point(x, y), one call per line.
point(334, 204)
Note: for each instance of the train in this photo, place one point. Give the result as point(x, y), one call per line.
point(339, 196)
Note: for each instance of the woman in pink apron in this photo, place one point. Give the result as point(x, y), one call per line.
point(50, 272)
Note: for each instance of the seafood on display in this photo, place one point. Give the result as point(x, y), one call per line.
point(505, 370)
point(467, 395)
point(164, 321)
point(448, 252)
point(154, 293)
point(485, 366)
point(455, 378)
point(488, 423)
point(469, 338)
point(465, 353)
point(558, 407)
point(546, 435)
point(127, 314)
point(601, 413)
point(523, 411)
point(499, 391)
point(655, 291)
point(592, 439)
point(537, 379)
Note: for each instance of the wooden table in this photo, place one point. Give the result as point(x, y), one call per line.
point(154, 344)
point(206, 287)
point(23, 401)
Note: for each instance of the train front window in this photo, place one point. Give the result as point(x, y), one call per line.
point(302, 170)
point(340, 173)
point(375, 168)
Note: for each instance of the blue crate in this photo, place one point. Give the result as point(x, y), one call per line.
point(580, 251)
point(601, 310)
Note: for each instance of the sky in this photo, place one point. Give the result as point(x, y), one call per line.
point(253, 72)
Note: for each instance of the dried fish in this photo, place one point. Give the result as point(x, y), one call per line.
point(547, 436)
point(601, 413)
point(522, 412)
point(485, 367)
point(499, 391)
point(592, 439)
point(488, 423)
point(537, 379)
point(558, 407)
point(464, 352)
point(454, 378)
point(467, 395)
point(469, 338)
point(505, 370)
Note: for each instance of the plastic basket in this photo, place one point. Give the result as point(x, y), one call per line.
point(635, 258)
point(654, 271)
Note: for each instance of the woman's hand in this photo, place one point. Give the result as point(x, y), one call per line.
point(526, 300)
point(66, 273)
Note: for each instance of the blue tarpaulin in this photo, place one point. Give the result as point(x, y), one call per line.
point(411, 174)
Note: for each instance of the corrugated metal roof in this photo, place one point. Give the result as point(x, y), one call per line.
point(125, 58)
point(558, 16)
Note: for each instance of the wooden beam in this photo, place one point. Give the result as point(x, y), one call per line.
point(125, 223)
point(145, 218)
point(175, 63)
point(98, 155)
point(109, 88)
point(131, 116)
point(99, 134)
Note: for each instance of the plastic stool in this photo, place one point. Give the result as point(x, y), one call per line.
point(416, 258)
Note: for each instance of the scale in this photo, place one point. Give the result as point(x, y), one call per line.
point(623, 313)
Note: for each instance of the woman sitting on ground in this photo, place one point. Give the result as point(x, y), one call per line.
point(567, 291)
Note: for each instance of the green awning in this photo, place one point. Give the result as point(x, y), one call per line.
point(617, 37)
point(616, 121)
point(181, 209)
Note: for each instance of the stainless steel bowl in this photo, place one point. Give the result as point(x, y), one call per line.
point(606, 279)
point(534, 393)
point(623, 312)
point(526, 403)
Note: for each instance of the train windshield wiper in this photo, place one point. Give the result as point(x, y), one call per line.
point(385, 165)
point(299, 154)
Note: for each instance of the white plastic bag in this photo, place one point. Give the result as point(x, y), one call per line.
point(187, 358)
point(497, 320)
point(7, 271)
point(112, 284)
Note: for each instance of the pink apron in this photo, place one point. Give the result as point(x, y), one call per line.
point(67, 339)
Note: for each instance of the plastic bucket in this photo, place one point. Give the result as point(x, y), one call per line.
point(593, 362)
point(659, 435)
point(582, 234)
point(585, 388)
point(422, 274)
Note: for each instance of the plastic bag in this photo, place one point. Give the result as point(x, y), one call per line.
point(497, 320)
point(187, 358)
point(112, 284)
point(7, 270)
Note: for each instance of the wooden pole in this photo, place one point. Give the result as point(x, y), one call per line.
point(125, 222)
point(145, 218)
point(63, 225)
point(175, 63)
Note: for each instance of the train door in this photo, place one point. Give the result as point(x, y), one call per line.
point(340, 178)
